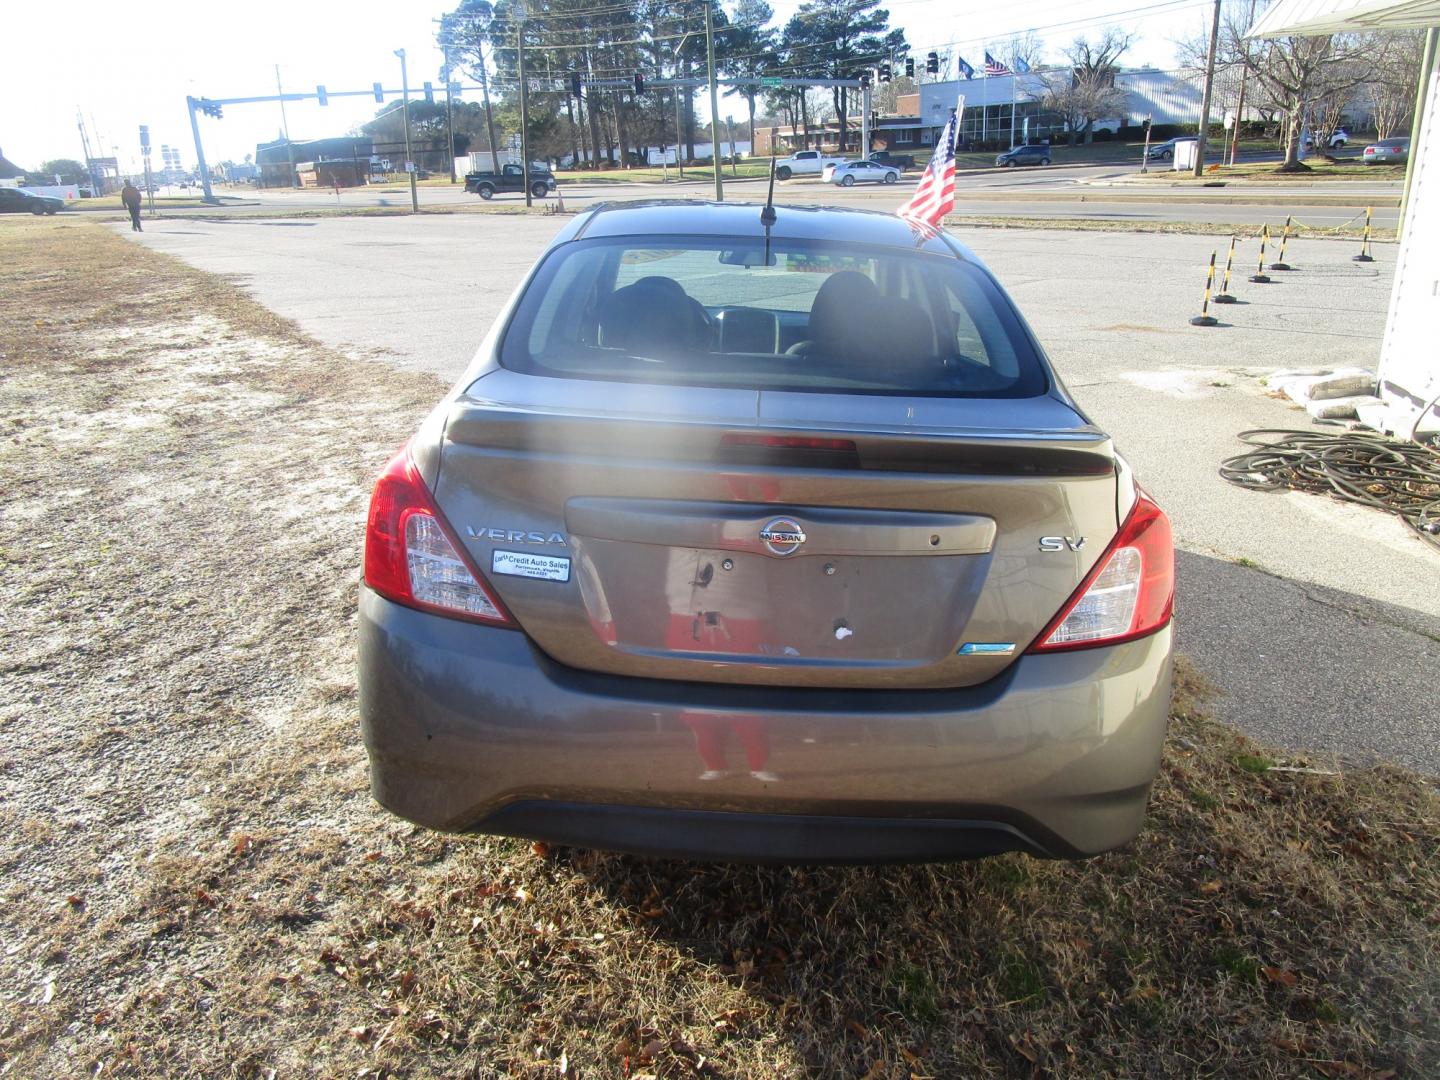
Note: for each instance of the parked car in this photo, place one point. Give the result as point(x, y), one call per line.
point(899, 161)
point(20, 201)
point(1386, 151)
point(850, 173)
point(768, 538)
point(1023, 155)
point(1338, 138)
point(510, 178)
point(1165, 151)
point(804, 163)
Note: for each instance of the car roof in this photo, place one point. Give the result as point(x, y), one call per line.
point(684, 217)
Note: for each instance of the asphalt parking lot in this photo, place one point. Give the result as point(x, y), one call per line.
point(1318, 622)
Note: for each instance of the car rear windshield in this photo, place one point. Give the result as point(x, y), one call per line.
point(805, 316)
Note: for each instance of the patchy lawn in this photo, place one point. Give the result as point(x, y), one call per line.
point(197, 883)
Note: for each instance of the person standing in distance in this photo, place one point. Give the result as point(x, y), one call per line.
point(130, 196)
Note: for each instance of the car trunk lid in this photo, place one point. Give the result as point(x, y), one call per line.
point(863, 541)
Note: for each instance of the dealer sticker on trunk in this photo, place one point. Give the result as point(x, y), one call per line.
point(528, 564)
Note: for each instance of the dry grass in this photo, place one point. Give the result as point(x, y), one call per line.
point(196, 882)
point(1351, 233)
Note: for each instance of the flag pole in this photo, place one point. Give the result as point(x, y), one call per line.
point(1013, 77)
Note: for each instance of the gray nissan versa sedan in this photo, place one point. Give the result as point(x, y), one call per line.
point(765, 538)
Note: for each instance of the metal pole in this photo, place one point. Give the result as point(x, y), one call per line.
point(1422, 88)
point(409, 161)
point(734, 154)
point(285, 126)
point(679, 163)
point(199, 152)
point(1204, 127)
point(524, 113)
point(449, 122)
point(714, 105)
point(1013, 77)
point(864, 123)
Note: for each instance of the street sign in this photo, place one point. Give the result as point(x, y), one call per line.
point(409, 166)
point(771, 80)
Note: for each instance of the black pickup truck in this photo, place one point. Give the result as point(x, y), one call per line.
point(486, 184)
point(898, 161)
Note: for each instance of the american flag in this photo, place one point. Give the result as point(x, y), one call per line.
point(995, 67)
point(935, 193)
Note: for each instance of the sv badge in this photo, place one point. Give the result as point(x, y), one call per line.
point(1061, 543)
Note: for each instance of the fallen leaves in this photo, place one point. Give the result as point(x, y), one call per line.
point(1280, 976)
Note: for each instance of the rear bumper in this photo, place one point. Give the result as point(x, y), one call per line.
point(472, 728)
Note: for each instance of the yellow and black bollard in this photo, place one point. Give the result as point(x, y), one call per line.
point(1365, 255)
point(1259, 276)
point(1205, 318)
point(1284, 239)
point(1223, 296)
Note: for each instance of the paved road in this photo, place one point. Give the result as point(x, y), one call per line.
point(1094, 192)
point(1331, 643)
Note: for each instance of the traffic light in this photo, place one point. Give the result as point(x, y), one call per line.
point(865, 80)
point(639, 83)
point(321, 96)
point(884, 72)
point(932, 63)
point(379, 94)
point(575, 84)
point(429, 94)
point(909, 68)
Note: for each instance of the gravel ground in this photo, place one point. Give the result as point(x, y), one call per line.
point(196, 882)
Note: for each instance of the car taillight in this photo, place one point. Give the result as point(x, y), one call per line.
point(1129, 593)
point(413, 558)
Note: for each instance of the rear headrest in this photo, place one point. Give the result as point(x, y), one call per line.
point(843, 313)
point(648, 318)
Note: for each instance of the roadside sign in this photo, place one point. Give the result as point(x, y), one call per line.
point(409, 166)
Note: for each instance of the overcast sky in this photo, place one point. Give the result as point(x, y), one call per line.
point(123, 65)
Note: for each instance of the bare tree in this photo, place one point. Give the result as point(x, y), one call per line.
point(1293, 75)
point(1086, 91)
point(1390, 91)
point(1020, 50)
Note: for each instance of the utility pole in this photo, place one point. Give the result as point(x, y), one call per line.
point(1204, 126)
point(679, 135)
point(524, 110)
point(714, 105)
point(284, 126)
point(409, 161)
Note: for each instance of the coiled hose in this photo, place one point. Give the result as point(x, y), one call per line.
point(1402, 478)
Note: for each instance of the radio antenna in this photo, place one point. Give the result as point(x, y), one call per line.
point(767, 215)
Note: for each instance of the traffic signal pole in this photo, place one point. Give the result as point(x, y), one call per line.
point(209, 196)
